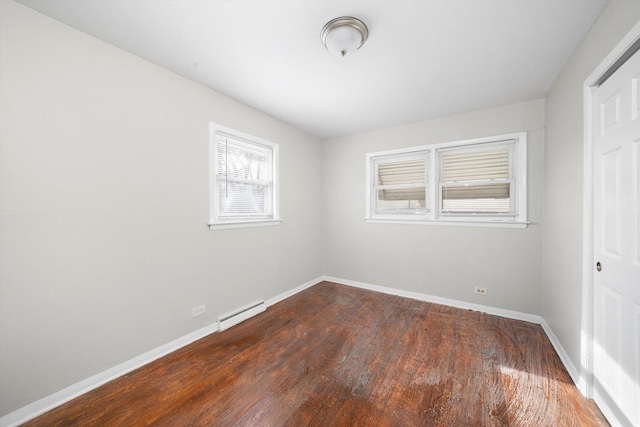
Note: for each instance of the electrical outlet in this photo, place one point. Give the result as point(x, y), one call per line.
point(481, 291)
point(198, 311)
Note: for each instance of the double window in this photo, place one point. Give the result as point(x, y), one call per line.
point(474, 181)
point(243, 179)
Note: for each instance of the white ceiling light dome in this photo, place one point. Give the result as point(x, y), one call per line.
point(344, 35)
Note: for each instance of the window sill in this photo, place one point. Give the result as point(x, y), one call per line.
point(244, 224)
point(475, 223)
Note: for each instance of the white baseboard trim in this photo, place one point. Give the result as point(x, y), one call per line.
point(58, 398)
point(54, 400)
point(532, 318)
point(574, 373)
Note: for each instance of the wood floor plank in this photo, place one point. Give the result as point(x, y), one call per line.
point(340, 356)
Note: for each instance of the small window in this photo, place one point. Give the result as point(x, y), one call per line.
point(475, 181)
point(243, 183)
point(401, 184)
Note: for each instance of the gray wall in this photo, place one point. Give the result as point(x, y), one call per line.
point(104, 247)
point(563, 219)
point(104, 189)
point(437, 260)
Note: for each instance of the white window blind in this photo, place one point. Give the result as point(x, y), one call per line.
point(401, 184)
point(476, 180)
point(243, 179)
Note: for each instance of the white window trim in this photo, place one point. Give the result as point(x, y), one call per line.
point(216, 223)
point(519, 163)
point(245, 224)
point(401, 157)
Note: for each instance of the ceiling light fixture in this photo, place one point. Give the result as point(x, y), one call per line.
point(344, 35)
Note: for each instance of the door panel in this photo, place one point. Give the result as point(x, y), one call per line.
point(611, 194)
point(611, 339)
point(610, 114)
point(616, 238)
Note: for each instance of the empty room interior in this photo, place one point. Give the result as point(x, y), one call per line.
point(320, 213)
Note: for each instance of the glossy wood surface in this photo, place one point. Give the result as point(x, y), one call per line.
point(339, 356)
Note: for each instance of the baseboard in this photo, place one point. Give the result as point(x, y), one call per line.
point(532, 318)
point(56, 399)
point(574, 373)
point(43, 405)
point(564, 357)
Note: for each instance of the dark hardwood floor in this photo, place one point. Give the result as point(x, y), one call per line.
point(334, 355)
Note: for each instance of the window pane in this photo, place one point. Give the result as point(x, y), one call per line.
point(493, 198)
point(242, 199)
point(401, 199)
point(476, 181)
point(237, 162)
point(401, 184)
point(401, 172)
point(475, 166)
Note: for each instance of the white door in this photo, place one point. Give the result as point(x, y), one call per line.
point(616, 138)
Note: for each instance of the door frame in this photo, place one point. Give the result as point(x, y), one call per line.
point(610, 63)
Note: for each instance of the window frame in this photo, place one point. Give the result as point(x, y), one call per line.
point(518, 188)
point(249, 142)
point(479, 148)
point(402, 214)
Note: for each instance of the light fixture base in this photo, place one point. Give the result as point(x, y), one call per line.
point(344, 35)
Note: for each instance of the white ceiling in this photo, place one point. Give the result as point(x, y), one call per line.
point(424, 59)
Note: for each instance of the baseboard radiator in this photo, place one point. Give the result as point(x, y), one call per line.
point(232, 319)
